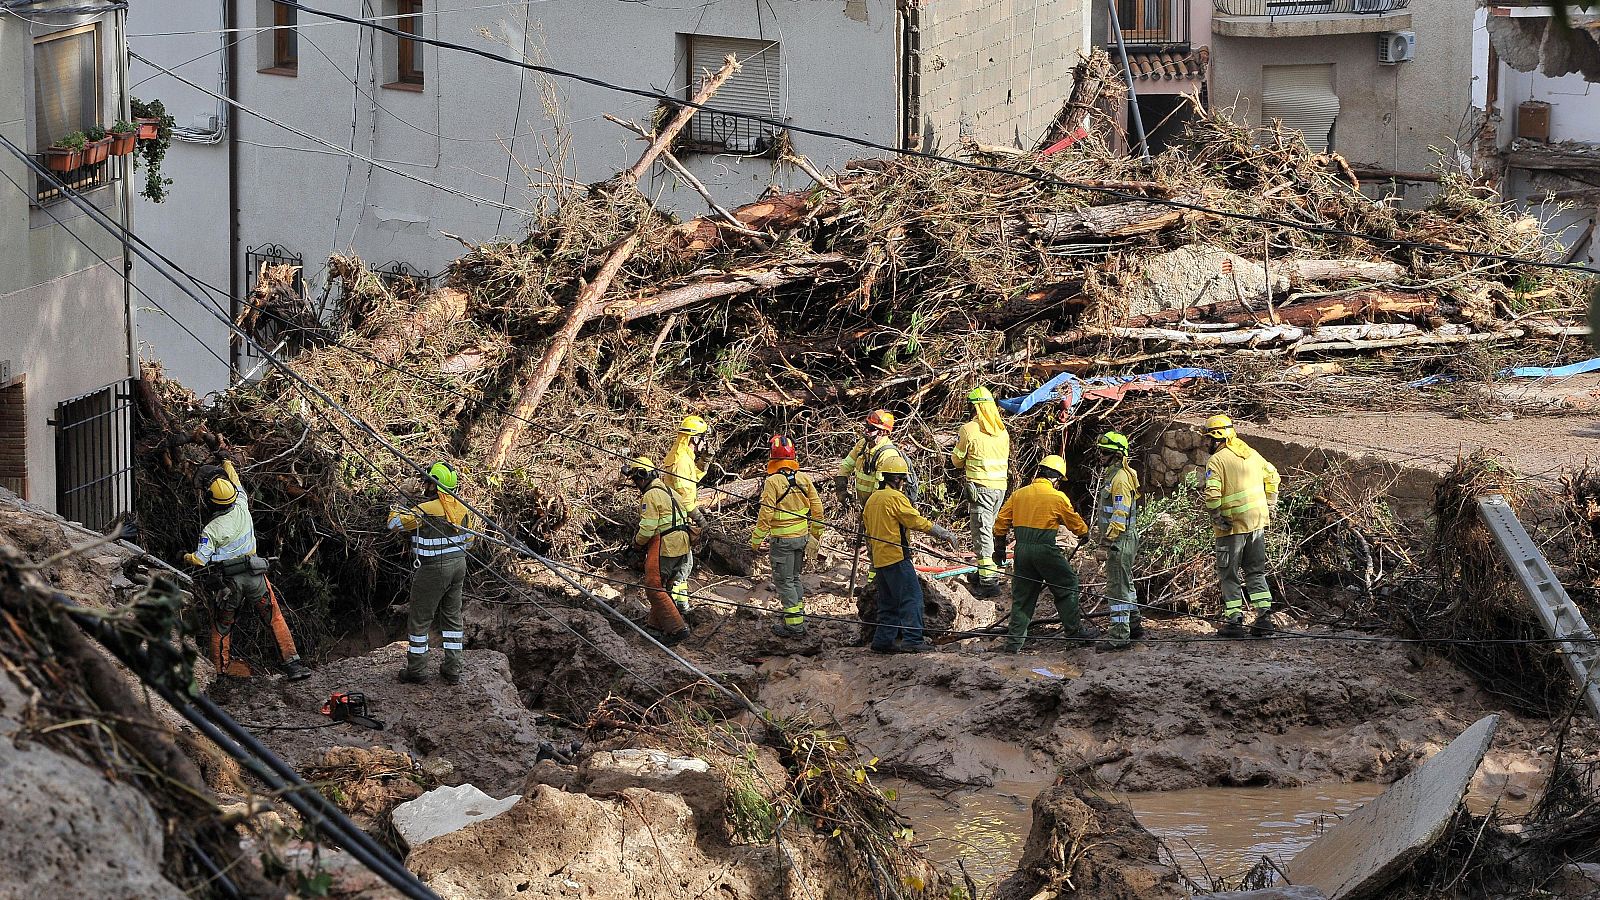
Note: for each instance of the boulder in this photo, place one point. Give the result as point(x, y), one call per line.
point(443, 810)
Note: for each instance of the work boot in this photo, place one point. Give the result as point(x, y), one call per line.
point(785, 630)
point(1112, 646)
point(409, 677)
point(1085, 632)
point(451, 677)
point(921, 647)
point(1137, 631)
point(295, 670)
point(1262, 626)
point(884, 650)
point(675, 638)
point(1233, 627)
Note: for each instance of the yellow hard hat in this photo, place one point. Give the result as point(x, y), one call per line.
point(223, 493)
point(693, 425)
point(1220, 427)
point(638, 465)
point(980, 394)
point(894, 464)
point(1055, 464)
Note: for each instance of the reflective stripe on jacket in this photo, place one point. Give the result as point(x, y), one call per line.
point(662, 515)
point(1119, 502)
point(1240, 487)
point(232, 533)
point(788, 508)
point(887, 519)
point(1040, 506)
point(865, 463)
point(985, 457)
point(441, 527)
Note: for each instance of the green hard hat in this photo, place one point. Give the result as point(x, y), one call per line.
point(1114, 441)
point(442, 474)
point(980, 394)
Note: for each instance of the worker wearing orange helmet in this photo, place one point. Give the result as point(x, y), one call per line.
point(790, 523)
point(1240, 494)
point(861, 473)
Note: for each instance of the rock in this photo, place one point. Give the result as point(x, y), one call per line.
point(68, 832)
point(1373, 845)
point(1112, 856)
point(1197, 275)
point(369, 781)
point(1576, 880)
point(443, 810)
point(1175, 459)
point(438, 768)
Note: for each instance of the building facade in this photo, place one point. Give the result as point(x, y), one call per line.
point(401, 141)
point(66, 355)
point(1168, 48)
point(1536, 89)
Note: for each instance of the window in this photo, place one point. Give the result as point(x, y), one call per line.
point(1142, 19)
point(752, 91)
point(66, 83)
point(408, 53)
point(14, 436)
point(1302, 98)
point(285, 41)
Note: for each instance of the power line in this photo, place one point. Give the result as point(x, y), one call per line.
point(934, 157)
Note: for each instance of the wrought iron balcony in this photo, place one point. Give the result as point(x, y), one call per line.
point(1152, 24)
point(1277, 8)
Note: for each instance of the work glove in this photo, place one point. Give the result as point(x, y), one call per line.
point(1001, 551)
point(1101, 553)
point(813, 547)
point(943, 536)
point(841, 488)
point(193, 560)
point(630, 557)
point(757, 543)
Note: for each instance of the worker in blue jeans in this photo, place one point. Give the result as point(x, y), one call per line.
point(889, 518)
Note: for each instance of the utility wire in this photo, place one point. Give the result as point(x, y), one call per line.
point(934, 157)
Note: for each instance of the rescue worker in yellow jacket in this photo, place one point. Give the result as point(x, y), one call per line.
point(1034, 514)
point(1240, 494)
point(662, 545)
point(228, 542)
point(442, 530)
point(790, 522)
point(889, 519)
point(685, 475)
point(1119, 538)
point(861, 472)
point(983, 453)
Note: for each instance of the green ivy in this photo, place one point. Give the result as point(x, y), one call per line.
point(153, 152)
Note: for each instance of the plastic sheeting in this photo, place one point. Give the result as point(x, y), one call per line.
point(1066, 384)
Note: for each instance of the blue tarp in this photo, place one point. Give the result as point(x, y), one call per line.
point(1056, 387)
point(1580, 368)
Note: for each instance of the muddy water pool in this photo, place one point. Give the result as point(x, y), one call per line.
point(1230, 828)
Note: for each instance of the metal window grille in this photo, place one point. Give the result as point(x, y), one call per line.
point(403, 278)
point(266, 330)
point(81, 179)
point(1152, 23)
point(753, 90)
point(1307, 7)
point(94, 455)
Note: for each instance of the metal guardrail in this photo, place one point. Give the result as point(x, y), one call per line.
point(1276, 8)
point(1151, 23)
point(1556, 610)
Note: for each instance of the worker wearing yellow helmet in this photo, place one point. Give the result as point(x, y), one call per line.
point(1034, 514)
point(1117, 526)
point(1241, 491)
point(442, 529)
point(861, 473)
point(228, 543)
point(983, 453)
point(662, 545)
point(889, 518)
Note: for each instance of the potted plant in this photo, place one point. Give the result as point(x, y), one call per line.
point(152, 150)
point(123, 137)
point(96, 145)
point(66, 153)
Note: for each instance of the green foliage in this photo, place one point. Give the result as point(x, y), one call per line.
point(153, 152)
point(752, 818)
point(73, 141)
point(123, 127)
point(94, 133)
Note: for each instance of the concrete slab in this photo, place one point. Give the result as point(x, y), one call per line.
point(446, 809)
point(1359, 856)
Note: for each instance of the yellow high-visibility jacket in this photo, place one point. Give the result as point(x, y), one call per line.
point(1118, 502)
point(786, 506)
point(1241, 488)
point(660, 513)
point(985, 457)
point(232, 533)
point(1039, 507)
point(865, 462)
point(888, 518)
point(440, 527)
point(685, 477)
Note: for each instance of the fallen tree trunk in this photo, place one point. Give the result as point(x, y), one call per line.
point(726, 284)
point(434, 315)
point(1304, 270)
point(1116, 220)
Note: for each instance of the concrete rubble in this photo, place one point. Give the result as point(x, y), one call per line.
point(443, 810)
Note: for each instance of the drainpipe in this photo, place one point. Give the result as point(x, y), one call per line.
point(125, 113)
point(1127, 75)
point(230, 81)
point(911, 74)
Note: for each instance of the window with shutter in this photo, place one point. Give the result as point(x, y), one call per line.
point(66, 83)
point(754, 90)
point(1302, 98)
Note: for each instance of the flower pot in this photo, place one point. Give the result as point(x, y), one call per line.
point(63, 159)
point(96, 151)
point(122, 143)
point(149, 129)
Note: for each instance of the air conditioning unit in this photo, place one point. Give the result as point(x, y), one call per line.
point(1395, 47)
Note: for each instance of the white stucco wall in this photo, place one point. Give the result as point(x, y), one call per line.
point(62, 311)
point(839, 73)
point(1389, 115)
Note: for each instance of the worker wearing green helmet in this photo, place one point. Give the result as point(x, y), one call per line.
point(1117, 526)
point(442, 528)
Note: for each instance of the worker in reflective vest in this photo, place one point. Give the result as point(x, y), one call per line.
point(1035, 514)
point(662, 545)
point(790, 522)
point(228, 543)
point(1119, 539)
point(1241, 491)
point(983, 452)
point(861, 472)
point(442, 529)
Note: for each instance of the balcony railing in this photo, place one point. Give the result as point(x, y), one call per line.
point(81, 179)
point(714, 132)
point(1151, 23)
point(1308, 7)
